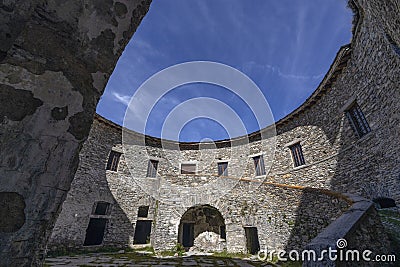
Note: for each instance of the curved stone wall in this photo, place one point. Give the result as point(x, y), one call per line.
point(273, 209)
point(286, 215)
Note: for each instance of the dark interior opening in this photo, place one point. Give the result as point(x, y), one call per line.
point(385, 202)
point(197, 220)
point(252, 242)
point(188, 235)
point(142, 232)
point(101, 208)
point(143, 211)
point(95, 232)
point(222, 232)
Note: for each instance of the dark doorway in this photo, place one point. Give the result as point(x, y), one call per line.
point(188, 235)
point(252, 243)
point(384, 202)
point(142, 232)
point(95, 232)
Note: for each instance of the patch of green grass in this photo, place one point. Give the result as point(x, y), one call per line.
point(149, 249)
point(391, 222)
point(178, 249)
point(131, 256)
point(166, 253)
point(390, 213)
point(75, 251)
point(231, 255)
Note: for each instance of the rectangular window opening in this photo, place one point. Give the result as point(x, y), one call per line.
point(357, 120)
point(143, 211)
point(188, 168)
point(297, 155)
point(113, 161)
point(152, 168)
point(223, 169)
point(101, 208)
point(259, 165)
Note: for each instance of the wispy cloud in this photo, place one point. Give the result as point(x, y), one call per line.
point(251, 66)
point(123, 99)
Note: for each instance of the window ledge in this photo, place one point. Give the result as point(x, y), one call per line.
point(365, 136)
point(301, 166)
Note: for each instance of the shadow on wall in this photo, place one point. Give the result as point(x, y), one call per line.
point(91, 214)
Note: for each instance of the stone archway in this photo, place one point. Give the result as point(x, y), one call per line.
point(202, 228)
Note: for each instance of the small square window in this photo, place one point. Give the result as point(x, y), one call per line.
point(152, 168)
point(259, 165)
point(357, 120)
point(223, 168)
point(101, 208)
point(113, 161)
point(188, 168)
point(143, 211)
point(297, 155)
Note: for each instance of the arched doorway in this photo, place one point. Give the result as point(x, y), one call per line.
point(202, 228)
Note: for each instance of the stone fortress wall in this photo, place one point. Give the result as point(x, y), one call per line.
point(293, 204)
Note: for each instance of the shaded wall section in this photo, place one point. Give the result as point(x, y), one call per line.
point(56, 58)
point(89, 187)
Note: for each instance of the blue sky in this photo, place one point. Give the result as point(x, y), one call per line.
point(285, 47)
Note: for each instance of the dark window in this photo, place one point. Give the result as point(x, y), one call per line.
point(357, 120)
point(152, 168)
point(223, 168)
point(143, 211)
point(188, 168)
point(113, 160)
point(259, 165)
point(297, 155)
point(101, 208)
point(222, 232)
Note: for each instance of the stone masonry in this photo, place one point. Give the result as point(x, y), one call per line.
point(289, 205)
point(56, 58)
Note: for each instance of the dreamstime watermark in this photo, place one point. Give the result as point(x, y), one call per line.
point(339, 253)
point(208, 188)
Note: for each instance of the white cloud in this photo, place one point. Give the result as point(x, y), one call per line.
point(249, 66)
point(123, 99)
